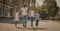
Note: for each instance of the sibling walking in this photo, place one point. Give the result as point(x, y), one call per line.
point(16, 16)
point(31, 14)
point(37, 17)
point(24, 10)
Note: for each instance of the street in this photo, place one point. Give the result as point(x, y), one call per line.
point(46, 11)
point(44, 25)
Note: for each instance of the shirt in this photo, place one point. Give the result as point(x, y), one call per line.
point(24, 10)
point(37, 15)
point(31, 13)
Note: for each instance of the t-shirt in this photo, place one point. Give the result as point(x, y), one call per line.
point(31, 13)
point(24, 10)
point(37, 15)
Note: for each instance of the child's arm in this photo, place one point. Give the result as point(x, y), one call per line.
point(39, 17)
point(34, 16)
point(29, 13)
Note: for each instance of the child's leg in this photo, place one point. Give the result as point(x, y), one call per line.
point(31, 18)
point(16, 22)
point(24, 21)
point(37, 21)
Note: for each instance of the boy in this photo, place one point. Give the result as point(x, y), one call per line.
point(37, 15)
point(24, 10)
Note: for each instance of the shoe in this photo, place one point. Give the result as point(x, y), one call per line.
point(16, 26)
point(24, 26)
point(32, 27)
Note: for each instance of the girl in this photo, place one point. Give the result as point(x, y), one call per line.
point(16, 16)
point(31, 14)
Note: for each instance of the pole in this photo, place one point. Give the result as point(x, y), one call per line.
point(3, 7)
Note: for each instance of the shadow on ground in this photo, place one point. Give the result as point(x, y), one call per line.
point(32, 28)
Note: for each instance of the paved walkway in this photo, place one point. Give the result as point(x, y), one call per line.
point(43, 26)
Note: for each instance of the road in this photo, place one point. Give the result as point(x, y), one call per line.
point(44, 25)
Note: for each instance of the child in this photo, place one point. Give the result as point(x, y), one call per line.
point(31, 14)
point(16, 16)
point(24, 10)
point(37, 15)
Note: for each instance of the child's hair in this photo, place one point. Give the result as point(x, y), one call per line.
point(16, 7)
point(24, 5)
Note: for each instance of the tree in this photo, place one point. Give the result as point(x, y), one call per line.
point(52, 7)
point(42, 10)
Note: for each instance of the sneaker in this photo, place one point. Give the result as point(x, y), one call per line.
point(24, 26)
point(32, 27)
point(36, 26)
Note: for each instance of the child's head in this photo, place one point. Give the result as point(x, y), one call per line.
point(24, 5)
point(36, 11)
point(31, 8)
point(16, 7)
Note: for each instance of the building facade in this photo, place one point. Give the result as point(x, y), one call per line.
point(7, 6)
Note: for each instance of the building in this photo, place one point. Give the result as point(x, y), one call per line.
point(7, 6)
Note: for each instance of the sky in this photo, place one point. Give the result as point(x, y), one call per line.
point(40, 2)
point(58, 2)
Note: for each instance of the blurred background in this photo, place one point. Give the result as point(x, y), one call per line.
point(49, 13)
point(48, 9)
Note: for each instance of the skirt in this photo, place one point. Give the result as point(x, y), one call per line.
point(16, 19)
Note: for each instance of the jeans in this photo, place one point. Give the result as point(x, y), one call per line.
point(24, 20)
point(37, 21)
point(31, 19)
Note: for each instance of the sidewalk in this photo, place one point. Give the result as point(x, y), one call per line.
point(43, 26)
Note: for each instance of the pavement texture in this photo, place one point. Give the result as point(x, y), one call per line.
point(44, 25)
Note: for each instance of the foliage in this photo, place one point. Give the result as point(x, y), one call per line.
point(52, 7)
point(37, 8)
point(49, 8)
point(41, 8)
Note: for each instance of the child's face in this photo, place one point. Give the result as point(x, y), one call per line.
point(16, 7)
point(16, 10)
point(32, 9)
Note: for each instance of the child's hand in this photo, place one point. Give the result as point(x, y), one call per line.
point(34, 18)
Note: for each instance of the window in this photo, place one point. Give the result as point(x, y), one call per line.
point(1, 9)
point(6, 10)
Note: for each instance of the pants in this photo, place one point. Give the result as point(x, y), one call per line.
point(24, 20)
point(37, 21)
point(31, 19)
